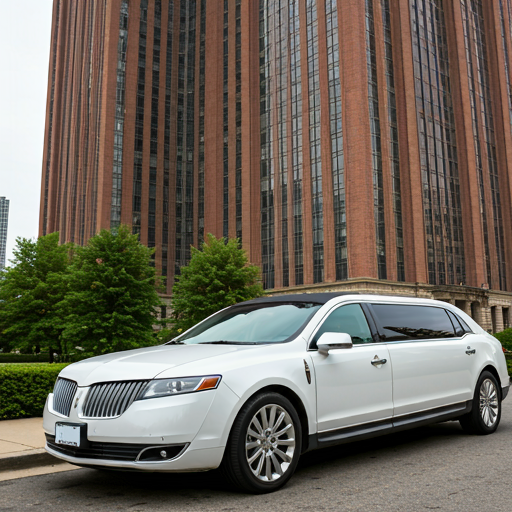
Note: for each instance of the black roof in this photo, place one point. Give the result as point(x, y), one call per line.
point(315, 298)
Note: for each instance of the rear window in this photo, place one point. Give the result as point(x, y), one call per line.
point(399, 322)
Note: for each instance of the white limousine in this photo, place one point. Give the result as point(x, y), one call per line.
point(255, 385)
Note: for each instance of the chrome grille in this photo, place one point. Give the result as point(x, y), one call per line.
point(111, 399)
point(63, 394)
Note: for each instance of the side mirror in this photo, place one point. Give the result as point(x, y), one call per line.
point(333, 341)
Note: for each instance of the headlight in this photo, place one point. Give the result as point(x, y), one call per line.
point(169, 387)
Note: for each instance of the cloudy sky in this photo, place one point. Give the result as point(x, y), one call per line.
point(25, 42)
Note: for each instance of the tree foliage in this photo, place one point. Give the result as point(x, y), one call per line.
point(30, 293)
point(218, 275)
point(111, 295)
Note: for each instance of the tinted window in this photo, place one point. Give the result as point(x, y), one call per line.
point(255, 323)
point(459, 331)
point(399, 322)
point(349, 319)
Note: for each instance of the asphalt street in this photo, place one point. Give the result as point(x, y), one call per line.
point(432, 468)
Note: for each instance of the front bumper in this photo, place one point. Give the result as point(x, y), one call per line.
point(195, 421)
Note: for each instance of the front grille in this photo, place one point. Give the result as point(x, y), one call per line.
point(111, 399)
point(63, 394)
point(114, 451)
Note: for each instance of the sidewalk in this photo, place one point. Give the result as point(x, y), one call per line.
point(22, 445)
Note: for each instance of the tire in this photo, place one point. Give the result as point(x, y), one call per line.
point(485, 415)
point(264, 445)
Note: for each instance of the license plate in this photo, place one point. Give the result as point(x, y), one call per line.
point(69, 434)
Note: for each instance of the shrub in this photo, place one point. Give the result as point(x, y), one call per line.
point(505, 338)
point(24, 358)
point(24, 388)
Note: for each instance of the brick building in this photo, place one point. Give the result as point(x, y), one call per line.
point(351, 145)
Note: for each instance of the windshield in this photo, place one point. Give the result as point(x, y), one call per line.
point(251, 324)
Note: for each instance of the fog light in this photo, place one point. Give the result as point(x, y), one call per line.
point(163, 454)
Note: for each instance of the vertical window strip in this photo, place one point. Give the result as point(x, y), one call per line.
point(315, 141)
point(200, 208)
point(267, 21)
point(117, 171)
point(238, 107)
point(373, 100)
point(225, 124)
point(50, 120)
point(504, 42)
point(338, 163)
point(473, 78)
point(282, 16)
point(296, 138)
point(437, 141)
point(185, 135)
point(167, 135)
point(487, 117)
point(139, 120)
point(153, 141)
point(394, 153)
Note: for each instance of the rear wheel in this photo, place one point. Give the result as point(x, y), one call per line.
point(264, 445)
point(485, 415)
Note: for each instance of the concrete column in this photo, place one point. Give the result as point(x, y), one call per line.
point(499, 319)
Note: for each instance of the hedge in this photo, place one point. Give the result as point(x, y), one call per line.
point(23, 358)
point(505, 338)
point(24, 388)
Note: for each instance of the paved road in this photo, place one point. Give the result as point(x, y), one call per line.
point(433, 468)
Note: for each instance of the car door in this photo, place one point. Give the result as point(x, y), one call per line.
point(431, 367)
point(350, 389)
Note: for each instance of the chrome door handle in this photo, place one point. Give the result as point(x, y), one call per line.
point(469, 352)
point(377, 362)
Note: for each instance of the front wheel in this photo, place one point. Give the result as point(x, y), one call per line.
point(264, 445)
point(485, 415)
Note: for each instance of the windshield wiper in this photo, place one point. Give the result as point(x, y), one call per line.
point(175, 342)
point(224, 342)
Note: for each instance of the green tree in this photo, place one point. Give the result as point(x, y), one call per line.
point(30, 291)
point(218, 275)
point(111, 298)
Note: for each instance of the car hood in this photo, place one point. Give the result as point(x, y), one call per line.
point(143, 363)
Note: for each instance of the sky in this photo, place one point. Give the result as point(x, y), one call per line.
point(25, 43)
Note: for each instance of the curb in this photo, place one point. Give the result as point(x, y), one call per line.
point(27, 459)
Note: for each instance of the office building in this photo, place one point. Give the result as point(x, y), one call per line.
point(4, 222)
point(354, 145)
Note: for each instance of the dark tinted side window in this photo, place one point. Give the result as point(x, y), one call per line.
point(401, 322)
point(459, 330)
point(349, 319)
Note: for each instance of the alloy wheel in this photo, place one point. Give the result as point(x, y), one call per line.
point(270, 442)
point(488, 402)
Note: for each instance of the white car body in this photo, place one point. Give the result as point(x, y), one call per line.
point(348, 398)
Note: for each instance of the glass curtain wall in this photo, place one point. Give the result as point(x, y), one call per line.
point(296, 139)
point(185, 143)
point(139, 119)
point(373, 100)
point(437, 141)
point(337, 156)
point(267, 17)
point(394, 153)
point(315, 140)
point(483, 123)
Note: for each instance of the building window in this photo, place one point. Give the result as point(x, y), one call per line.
point(437, 142)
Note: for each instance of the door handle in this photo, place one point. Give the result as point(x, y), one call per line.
point(378, 362)
point(469, 352)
